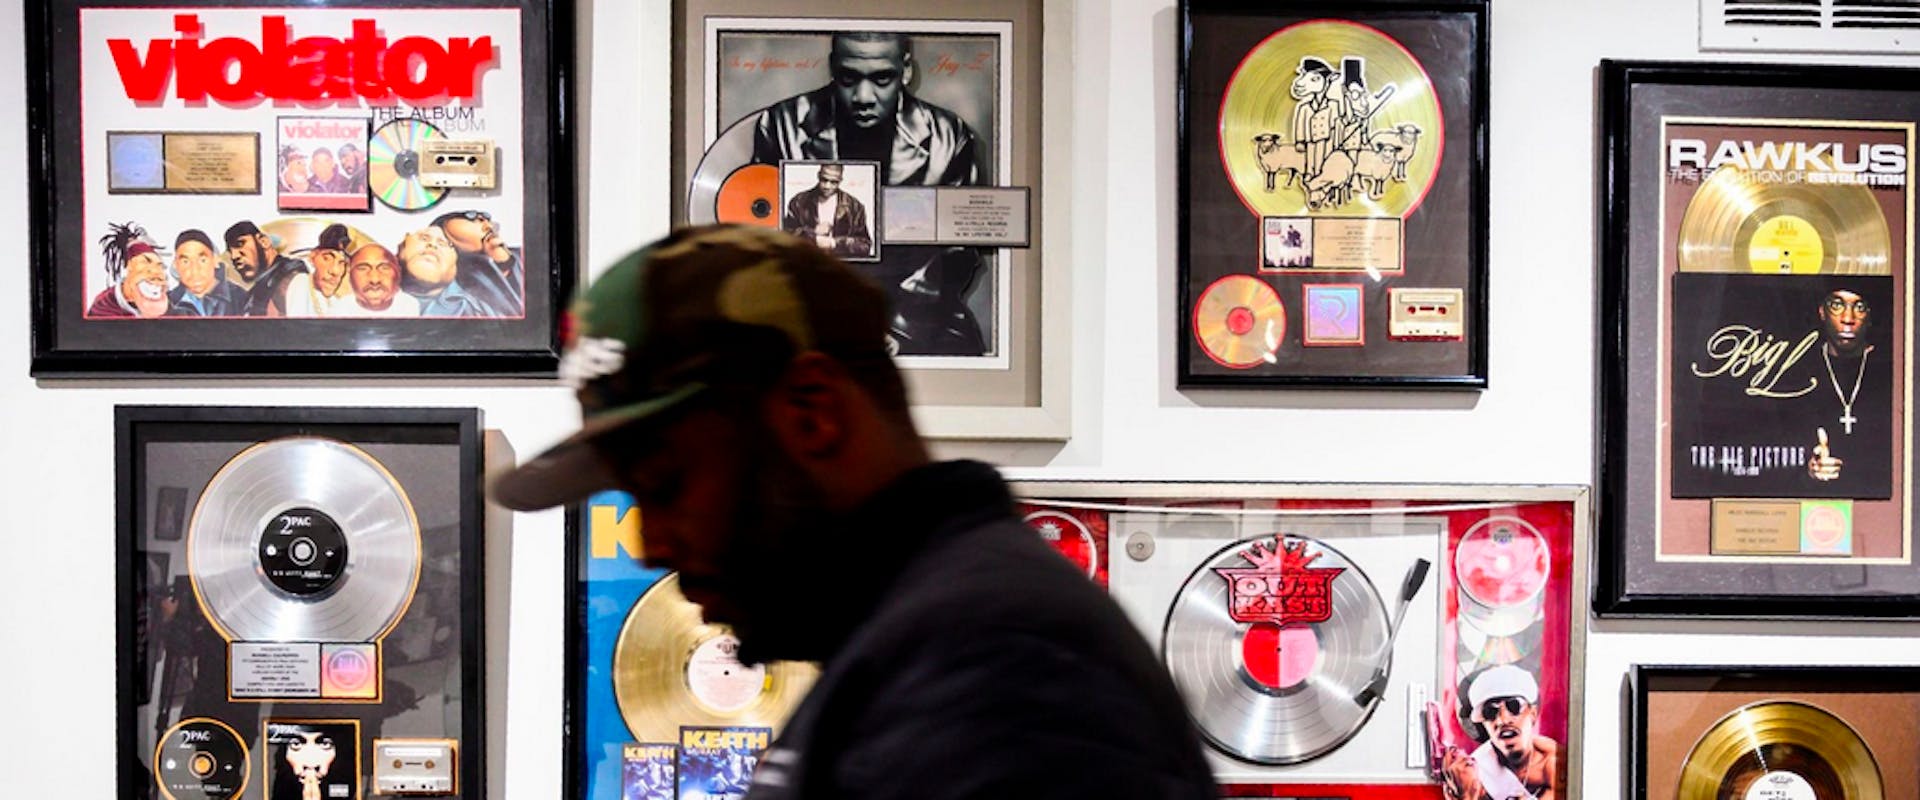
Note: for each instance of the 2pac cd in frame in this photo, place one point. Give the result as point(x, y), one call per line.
point(1333, 194)
point(1757, 302)
point(316, 631)
point(1353, 641)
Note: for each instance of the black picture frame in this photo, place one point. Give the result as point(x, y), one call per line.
point(1784, 682)
point(536, 210)
point(1637, 571)
point(1445, 250)
point(453, 435)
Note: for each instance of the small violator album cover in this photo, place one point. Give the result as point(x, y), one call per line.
point(1787, 251)
point(312, 759)
point(323, 164)
point(717, 762)
point(648, 771)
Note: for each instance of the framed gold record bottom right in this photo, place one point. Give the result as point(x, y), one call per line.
point(1774, 733)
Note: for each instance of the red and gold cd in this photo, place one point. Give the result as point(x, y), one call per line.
point(1239, 321)
point(750, 196)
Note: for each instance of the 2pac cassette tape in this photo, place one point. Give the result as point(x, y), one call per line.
point(1427, 314)
point(457, 163)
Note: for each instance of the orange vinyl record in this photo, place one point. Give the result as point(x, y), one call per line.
point(1239, 321)
point(750, 196)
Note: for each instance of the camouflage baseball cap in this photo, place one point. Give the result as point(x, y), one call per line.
point(656, 328)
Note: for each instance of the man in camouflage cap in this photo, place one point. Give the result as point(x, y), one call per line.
point(736, 381)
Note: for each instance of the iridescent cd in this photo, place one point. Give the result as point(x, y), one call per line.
point(393, 165)
point(303, 539)
point(1280, 690)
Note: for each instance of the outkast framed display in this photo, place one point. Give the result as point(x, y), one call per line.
point(927, 144)
point(1333, 193)
point(1352, 641)
point(299, 187)
point(1766, 732)
point(299, 603)
point(1756, 282)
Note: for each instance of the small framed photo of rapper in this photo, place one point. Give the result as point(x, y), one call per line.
point(299, 187)
point(1757, 341)
point(937, 109)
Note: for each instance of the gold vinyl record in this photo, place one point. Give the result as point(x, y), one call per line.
point(1780, 749)
point(1734, 224)
point(670, 669)
point(1239, 321)
point(1332, 117)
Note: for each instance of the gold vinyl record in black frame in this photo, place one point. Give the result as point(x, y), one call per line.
point(1780, 749)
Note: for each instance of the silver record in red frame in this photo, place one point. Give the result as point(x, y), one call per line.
point(1270, 640)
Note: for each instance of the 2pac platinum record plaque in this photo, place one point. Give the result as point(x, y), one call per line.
point(1271, 640)
point(304, 539)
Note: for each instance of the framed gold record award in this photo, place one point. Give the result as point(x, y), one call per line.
point(300, 603)
point(1705, 733)
point(1757, 341)
point(925, 143)
point(1333, 194)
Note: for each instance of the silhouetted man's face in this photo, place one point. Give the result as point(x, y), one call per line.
point(1844, 317)
point(867, 76)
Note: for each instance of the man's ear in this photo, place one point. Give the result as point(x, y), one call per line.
point(808, 407)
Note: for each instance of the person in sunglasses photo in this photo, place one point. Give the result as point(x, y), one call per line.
point(1514, 762)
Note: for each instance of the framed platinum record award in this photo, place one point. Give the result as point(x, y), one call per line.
point(1402, 642)
point(299, 609)
point(1333, 193)
point(1757, 299)
point(920, 142)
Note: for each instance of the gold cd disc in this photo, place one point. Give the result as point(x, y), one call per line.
point(1239, 321)
point(1734, 224)
point(1780, 749)
point(670, 669)
point(1332, 117)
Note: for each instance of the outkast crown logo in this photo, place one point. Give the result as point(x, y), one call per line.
point(1281, 586)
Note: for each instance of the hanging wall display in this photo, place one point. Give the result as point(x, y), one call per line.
point(1766, 732)
point(316, 630)
point(1333, 194)
point(302, 187)
point(658, 704)
point(1352, 641)
point(922, 145)
point(1756, 340)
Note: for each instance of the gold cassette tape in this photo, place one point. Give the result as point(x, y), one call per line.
point(415, 766)
point(457, 163)
point(1427, 314)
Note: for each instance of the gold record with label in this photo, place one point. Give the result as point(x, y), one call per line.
point(1780, 749)
point(1734, 224)
point(670, 669)
point(1334, 118)
point(1239, 321)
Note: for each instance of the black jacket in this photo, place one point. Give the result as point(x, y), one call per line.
point(979, 663)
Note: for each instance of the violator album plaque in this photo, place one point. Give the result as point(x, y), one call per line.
point(299, 187)
point(1333, 194)
point(1352, 641)
point(657, 701)
point(1764, 447)
point(320, 619)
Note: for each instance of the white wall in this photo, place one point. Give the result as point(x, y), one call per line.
point(1532, 426)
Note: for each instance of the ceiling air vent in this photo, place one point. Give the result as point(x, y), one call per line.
point(1811, 26)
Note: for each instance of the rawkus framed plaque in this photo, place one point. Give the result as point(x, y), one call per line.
point(1757, 323)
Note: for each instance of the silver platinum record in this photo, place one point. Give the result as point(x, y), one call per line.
point(303, 539)
point(732, 150)
point(1250, 719)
